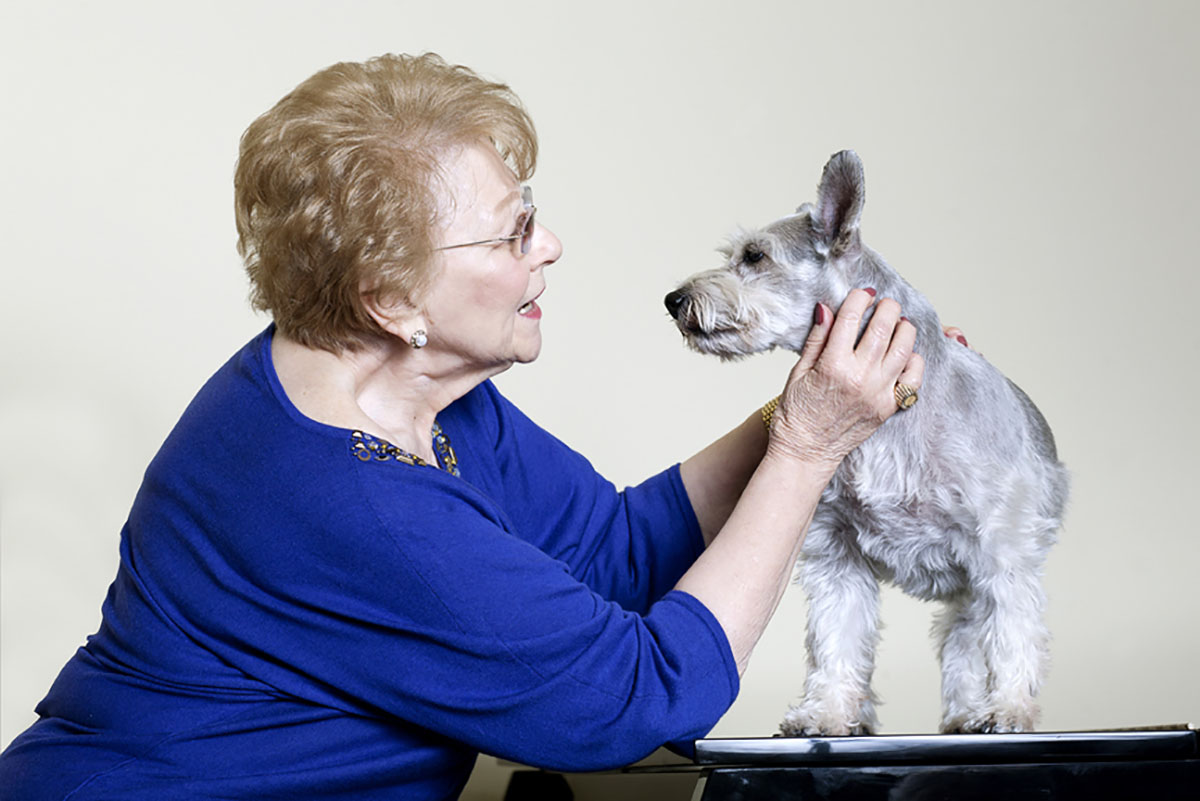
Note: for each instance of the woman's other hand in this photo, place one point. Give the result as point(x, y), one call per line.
point(954, 332)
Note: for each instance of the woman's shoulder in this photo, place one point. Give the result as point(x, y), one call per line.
point(484, 409)
point(488, 411)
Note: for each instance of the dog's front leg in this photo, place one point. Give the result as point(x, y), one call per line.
point(843, 630)
point(958, 629)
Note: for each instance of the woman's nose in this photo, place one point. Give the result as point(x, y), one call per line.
point(547, 248)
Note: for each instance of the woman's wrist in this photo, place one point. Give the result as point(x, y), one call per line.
point(781, 446)
point(812, 462)
point(768, 411)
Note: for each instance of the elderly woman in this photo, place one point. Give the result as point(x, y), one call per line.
point(353, 564)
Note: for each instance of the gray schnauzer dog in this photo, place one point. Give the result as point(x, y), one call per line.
point(957, 499)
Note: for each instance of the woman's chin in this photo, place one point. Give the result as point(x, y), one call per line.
point(528, 350)
point(529, 356)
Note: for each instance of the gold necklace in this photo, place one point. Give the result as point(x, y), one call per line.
point(368, 448)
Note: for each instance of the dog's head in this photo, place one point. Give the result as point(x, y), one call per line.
point(765, 294)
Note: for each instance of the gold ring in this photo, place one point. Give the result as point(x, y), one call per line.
point(906, 396)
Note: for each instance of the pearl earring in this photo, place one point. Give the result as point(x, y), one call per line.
point(419, 339)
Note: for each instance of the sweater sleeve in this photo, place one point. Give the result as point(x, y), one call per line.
point(422, 607)
point(630, 546)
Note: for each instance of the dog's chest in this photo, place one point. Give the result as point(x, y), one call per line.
point(907, 534)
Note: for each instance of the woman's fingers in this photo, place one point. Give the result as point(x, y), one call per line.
point(900, 349)
point(880, 336)
point(814, 345)
point(884, 352)
point(880, 331)
point(914, 371)
point(849, 319)
point(887, 341)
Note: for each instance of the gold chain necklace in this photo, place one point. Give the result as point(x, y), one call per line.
point(369, 449)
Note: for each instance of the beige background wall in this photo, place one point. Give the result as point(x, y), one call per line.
point(1031, 165)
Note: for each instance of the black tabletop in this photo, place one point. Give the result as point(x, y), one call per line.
point(1176, 742)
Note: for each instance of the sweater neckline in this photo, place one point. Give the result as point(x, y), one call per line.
point(365, 447)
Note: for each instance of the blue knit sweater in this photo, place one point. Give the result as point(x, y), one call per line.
point(297, 617)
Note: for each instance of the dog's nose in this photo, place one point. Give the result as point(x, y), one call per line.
point(675, 301)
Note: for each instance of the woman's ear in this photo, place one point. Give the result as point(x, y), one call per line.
point(392, 313)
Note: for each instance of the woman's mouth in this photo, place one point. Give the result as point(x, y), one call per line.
point(530, 310)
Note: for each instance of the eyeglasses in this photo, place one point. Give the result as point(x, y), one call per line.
point(524, 225)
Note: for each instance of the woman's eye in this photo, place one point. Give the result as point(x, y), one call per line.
point(752, 255)
point(522, 221)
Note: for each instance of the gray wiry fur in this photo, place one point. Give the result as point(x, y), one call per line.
point(957, 499)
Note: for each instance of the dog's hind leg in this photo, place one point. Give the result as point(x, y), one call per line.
point(994, 655)
point(1017, 648)
point(843, 630)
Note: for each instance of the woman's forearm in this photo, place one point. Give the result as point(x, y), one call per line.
point(716, 476)
point(742, 575)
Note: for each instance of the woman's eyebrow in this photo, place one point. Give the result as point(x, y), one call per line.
point(506, 201)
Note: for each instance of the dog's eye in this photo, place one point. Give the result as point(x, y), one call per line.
point(752, 255)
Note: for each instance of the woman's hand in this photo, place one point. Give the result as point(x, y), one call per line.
point(840, 392)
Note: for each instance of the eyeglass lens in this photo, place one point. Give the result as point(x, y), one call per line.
point(527, 231)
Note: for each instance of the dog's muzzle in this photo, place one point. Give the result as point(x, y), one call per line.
point(676, 303)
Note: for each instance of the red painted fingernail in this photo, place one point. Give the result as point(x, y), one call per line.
point(819, 315)
point(964, 341)
point(905, 319)
point(870, 291)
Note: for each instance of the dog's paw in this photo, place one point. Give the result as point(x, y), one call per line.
point(802, 722)
point(996, 722)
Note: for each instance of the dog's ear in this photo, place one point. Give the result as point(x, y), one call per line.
point(840, 200)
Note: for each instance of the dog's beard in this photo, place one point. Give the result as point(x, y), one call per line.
point(727, 344)
point(737, 342)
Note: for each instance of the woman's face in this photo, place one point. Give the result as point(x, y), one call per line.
point(482, 309)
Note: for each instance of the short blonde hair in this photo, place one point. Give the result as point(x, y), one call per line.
point(334, 188)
